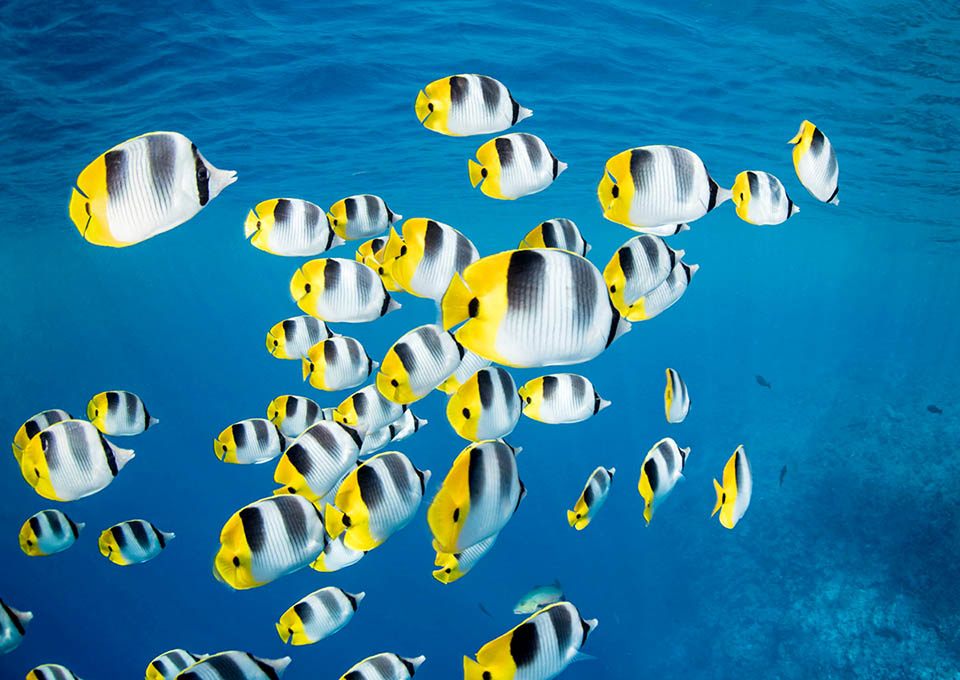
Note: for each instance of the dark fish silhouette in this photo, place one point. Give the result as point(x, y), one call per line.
point(934, 409)
point(783, 473)
point(484, 610)
point(763, 382)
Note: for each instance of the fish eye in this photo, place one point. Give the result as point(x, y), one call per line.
point(291, 489)
point(403, 250)
point(276, 414)
point(486, 675)
point(96, 412)
point(466, 413)
point(202, 174)
point(275, 343)
point(224, 448)
point(615, 191)
point(483, 172)
point(395, 383)
point(306, 287)
point(529, 399)
point(311, 367)
point(36, 471)
point(578, 515)
point(430, 108)
point(380, 271)
point(447, 570)
point(741, 195)
point(613, 288)
point(236, 561)
point(336, 223)
point(29, 542)
point(258, 224)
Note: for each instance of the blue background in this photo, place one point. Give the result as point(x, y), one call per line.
point(850, 570)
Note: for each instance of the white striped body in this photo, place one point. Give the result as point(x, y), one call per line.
point(267, 539)
point(118, 412)
point(663, 296)
point(168, 665)
point(468, 104)
point(361, 216)
point(367, 410)
point(650, 186)
point(384, 666)
point(733, 497)
point(337, 289)
point(133, 542)
point(638, 267)
point(662, 468)
point(816, 163)
point(592, 498)
point(249, 442)
point(48, 532)
point(561, 398)
point(417, 363)
point(477, 498)
point(400, 429)
point(452, 566)
point(235, 666)
point(515, 165)
point(34, 426)
point(486, 406)
point(556, 233)
point(293, 415)
point(51, 671)
point(337, 364)
point(431, 254)
point(292, 338)
point(13, 626)
point(676, 400)
point(318, 459)
point(291, 227)
point(336, 555)
point(761, 198)
point(557, 310)
point(540, 648)
point(318, 615)
point(660, 230)
point(744, 484)
point(469, 365)
point(71, 460)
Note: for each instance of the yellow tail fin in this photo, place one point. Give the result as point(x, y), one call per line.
point(455, 304)
point(250, 226)
point(392, 247)
point(334, 521)
point(305, 363)
point(284, 632)
point(79, 211)
point(476, 174)
point(720, 494)
point(471, 669)
point(571, 517)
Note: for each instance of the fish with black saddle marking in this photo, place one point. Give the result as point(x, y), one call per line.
point(119, 413)
point(48, 532)
point(143, 187)
point(338, 363)
point(637, 268)
point(317, 459)
point(816, 163)
point(133, 542)
point(733, 497)
point(556, 233)
point(249, 442)
point(267, 539)
point(336, 289)
point(292, 338)
point(676, 399)
point(514, 165)
point(592, 498)
point(384, 666)
point(13, 626)
point(508, 299)
point(662, 468)
point(398, 430)
point(417, 363)
point(650, 187)
point(664, 296)
point(293, 414)
point(540, 648)
point(318, 615)
point(468, 104)
point(486, 406)
point(454, 566)
point(367, 410)
point(290, 227)
point(51, 671)
point(761, 199)
point(361, 216)
point(426, 257)
point(168, 665)
point(34, 426)
point(235, 665)
point(71, 460)
point(561, 398)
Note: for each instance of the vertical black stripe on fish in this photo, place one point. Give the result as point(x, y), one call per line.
point(140, 535)
point(754, 183)
point(290, 408)
point(160, 537)
point(458, 92)
point(667, 452)
point(360, 404)
point(115, 166)
point(739, 468)
point(485, 388)
point(366, 279)
point(549, 236)
point(371, 487)
point(385, 307)
point(254, 529)
point(406, 356)
point(130, 405)
point(330, 352)
point(304, 612)
point(464, 253)
point(312, 411)
point(534, 152)
point(641, 168)
point(381, 664)
point(817, 141)
point(373, 207)
point(688, 273)
point(586, 631)
point(330, 236)
point(351, 599)
point(775, 189)
point(507, 386)
point(714, 189)
point(294, 519)
point(350, 208)
point(239, 432)
point(561, 620)
point(556, 166)
point(32, 428)
point(506, 467)
point(550, 385)
point(119, 536)
point(113, 402)
point(526, 276)
point(491, 93)
point(433, 342)
point(504, 148)
point(203, 177)
point(354, 675)
point(653, 475)
point(516, 111)
point(651, 248)
point(329, 601)
point(525, 644)
point(289, 329)
point(585, 292)
point(602, 479)
point(108, 454)
point(589, 496)
point(406, 664)
point(282, 213)
point(596, 403)
point(683, 172)
point(312, 220)
point(162, 155)
point(35, 527)
point(476, 474)
point(354, 435)
point(331, 276)
point(432, 241)
point(399, 473)
point(835, 191)
point(300, 459)
point(14, 619)
point(56, 526)
point(225, 667)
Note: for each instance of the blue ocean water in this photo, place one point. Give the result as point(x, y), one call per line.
point(847, 570)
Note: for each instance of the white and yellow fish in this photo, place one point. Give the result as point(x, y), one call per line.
point(133, 542)
point(417, 363)
point(761, 199)
point(335, 289)
point(561, 398)
point(663, 296)
point(119, 413)
point(637, 268)
point(293, 415)
point(676, 399)
point(292, 338)
point(592, 498)
point(34, 426)
point(249, 442)
point(384, 666)
point(361, 216)
point(13, 626)
point(429, 254)
point(291, 227)
point(733, 497)
point(48, 532)
point(486, 406)
point(454, 566)
point(318, 615)
point(816, 163)
point(468, 104)
point(662, 467)
point(514, 165)
point(318, 459)
point(556, 233)
point(338, 363)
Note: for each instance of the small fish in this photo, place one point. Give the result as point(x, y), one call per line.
point(539, 597)
point(293, 414)
point(373, 254)
point(417, 363)
point(290, 227)
point(317, 459)
point(561, 398)
point(763, 382)
point(398, 430)
point(337, 289)
point(385, 666)
point(514, 165)
point(133, 542)
point(454, 566)
point(292, 338)
point(249, 442)
point(487, 406)
point(468, 104)
point(267, 539)
point(119, 413)
point(361, 216)
point(48, 532)
point(51, 671)
point(236, 666)
point(484, 609)
point(427, 257)
point(663, 296)
point(34, 426)
point(783, 473)
point(367, 410)
point(469, 364)
point(336, 555)
point(761, 199)
point(556, 233)
point(168, 665)
point(934, 409)
point(816, 163)
point(592, 498)
point(338, 363)
point(71, 460)
point(662, 468)
point(657, 185)
point(143, 187)
point(318, 615)
point(13, 626)
point(637, 268)
point(733, 497)
point(540, 648)
point(676, 399)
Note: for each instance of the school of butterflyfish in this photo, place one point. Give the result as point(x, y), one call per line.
point(339, 495)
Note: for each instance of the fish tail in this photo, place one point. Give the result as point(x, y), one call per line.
point(571, 517)
point(475, 168)
point(334, 521)
point(251, 225)
point(471, 669)
point(719, 489)
point(284, 632)
point(455, 304)
point(80, 211)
